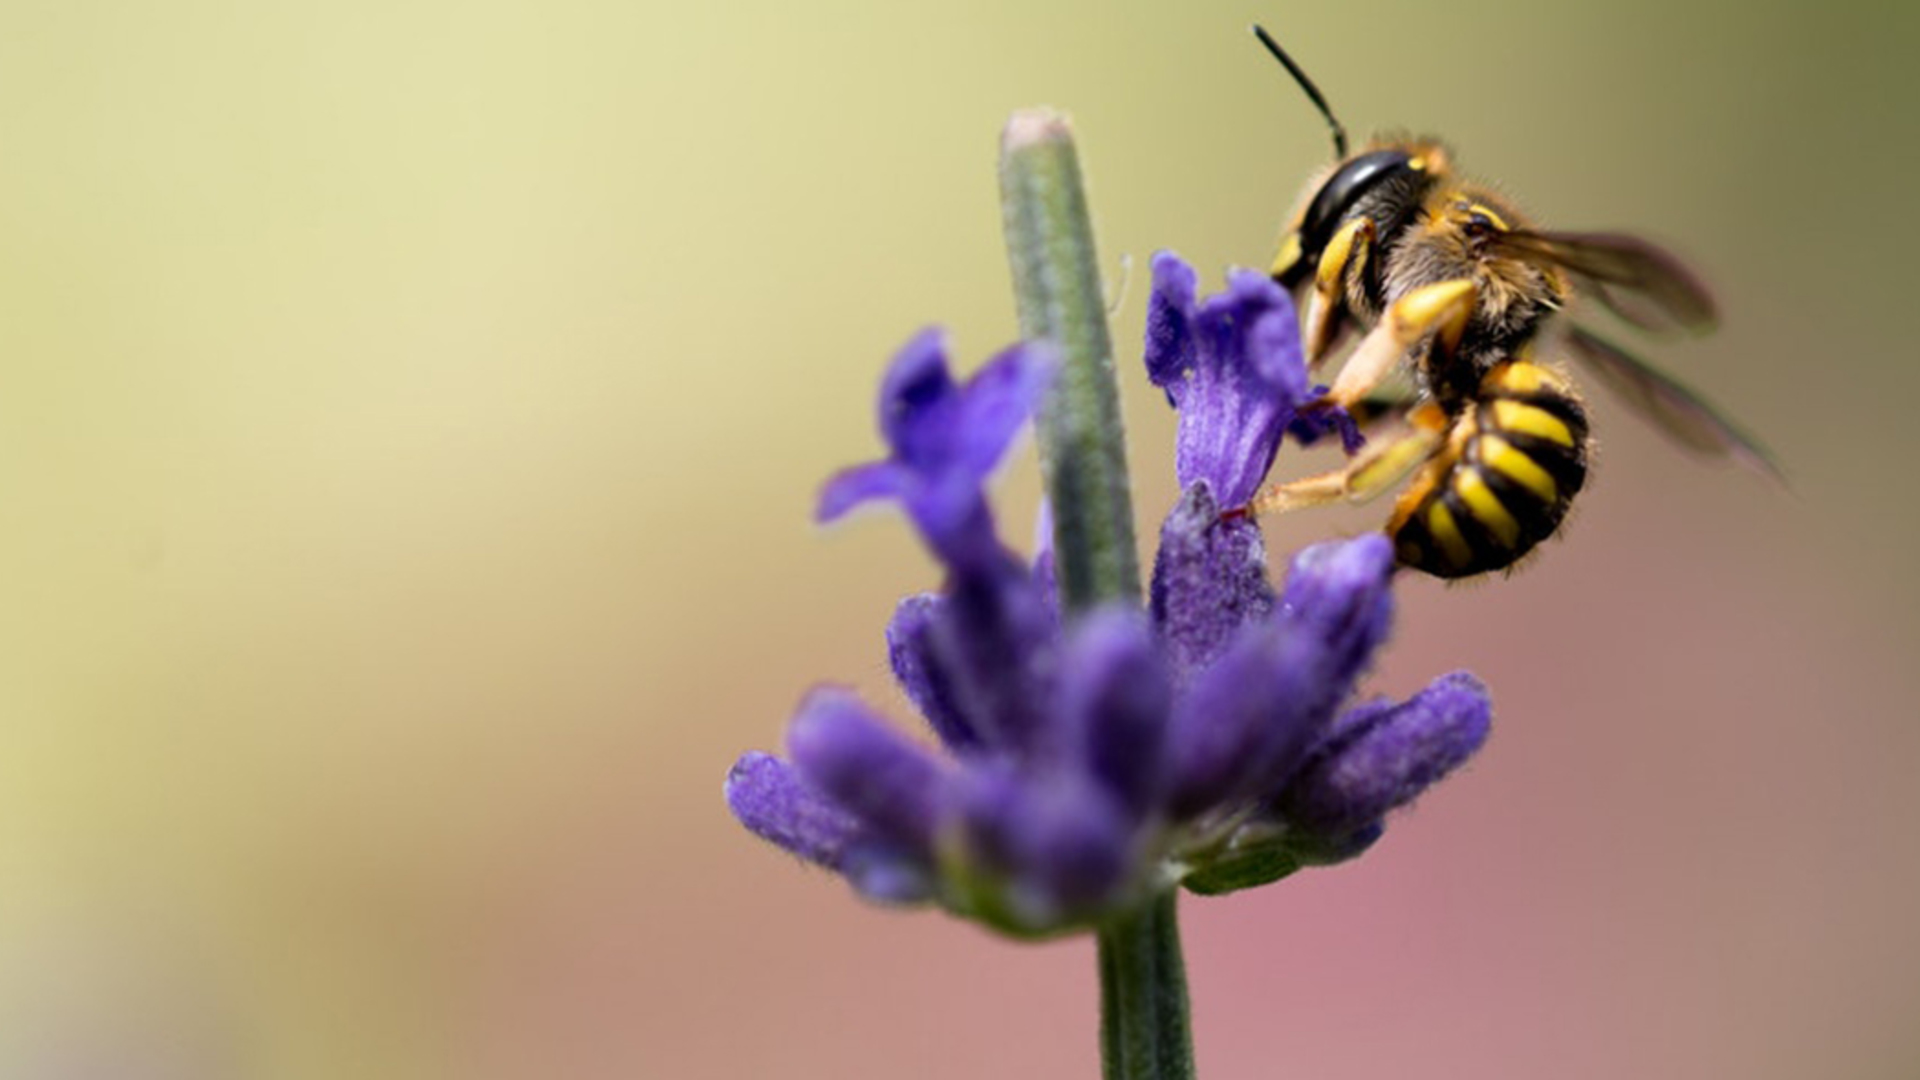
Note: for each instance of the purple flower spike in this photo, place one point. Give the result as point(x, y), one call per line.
point(1090, 758)
point(1232, 366)
point(1381, 756)
point(944, 440)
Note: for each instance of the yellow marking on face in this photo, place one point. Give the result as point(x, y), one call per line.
point(1521, 377)
point(1445, 530)
point(1289, 254)
point(1486, 507)
point(1525, 419)
point(1490, 213)
point(1500, 455)
point(1417, 164)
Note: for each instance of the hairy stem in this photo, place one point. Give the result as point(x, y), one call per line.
point(1145, 1033)
point(1056, 281)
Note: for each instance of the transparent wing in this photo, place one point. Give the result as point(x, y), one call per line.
point(1679, 412)
point(1635, 279)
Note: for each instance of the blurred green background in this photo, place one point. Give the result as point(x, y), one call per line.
point(409, 418)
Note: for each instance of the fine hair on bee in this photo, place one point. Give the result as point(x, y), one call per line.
point(1428, 272)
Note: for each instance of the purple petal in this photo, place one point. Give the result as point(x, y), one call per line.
point(1311, 426)
point(918, 400)
point(927, 681)
point(1209, 581)
point(1232, 367)
point(1114, 701)
point(1248, 720)
point(997, 402)
point(1340, 591)
point(859, 484)
point(1171, 308)
point(944, 439)
point(889, 782)
point(1352, 722)
point(1387, 756)
point(991, 640)
point(936, 425)
point(774, 803)
point(1273, 341)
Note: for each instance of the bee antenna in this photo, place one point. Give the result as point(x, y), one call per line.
point(1313, 92)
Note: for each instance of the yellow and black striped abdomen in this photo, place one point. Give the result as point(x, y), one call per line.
point(1512, 463)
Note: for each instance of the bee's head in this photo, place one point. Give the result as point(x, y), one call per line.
point(1384, 184)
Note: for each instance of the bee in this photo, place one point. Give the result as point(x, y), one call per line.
point(1448, 279)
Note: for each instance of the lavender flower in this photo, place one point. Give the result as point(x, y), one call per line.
point(1088, 763)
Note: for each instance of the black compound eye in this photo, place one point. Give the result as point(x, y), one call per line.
point(1479, 226)
point(1344, 189)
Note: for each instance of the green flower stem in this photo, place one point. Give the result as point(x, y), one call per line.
point(1056, 280)
point(1145, 1033)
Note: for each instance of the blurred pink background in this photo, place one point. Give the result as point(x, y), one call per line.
point(409, 418)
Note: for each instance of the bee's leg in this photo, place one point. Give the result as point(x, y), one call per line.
point(1381, 405)
point(1382, 465)
point(1441, 309)
point(1347, 251)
